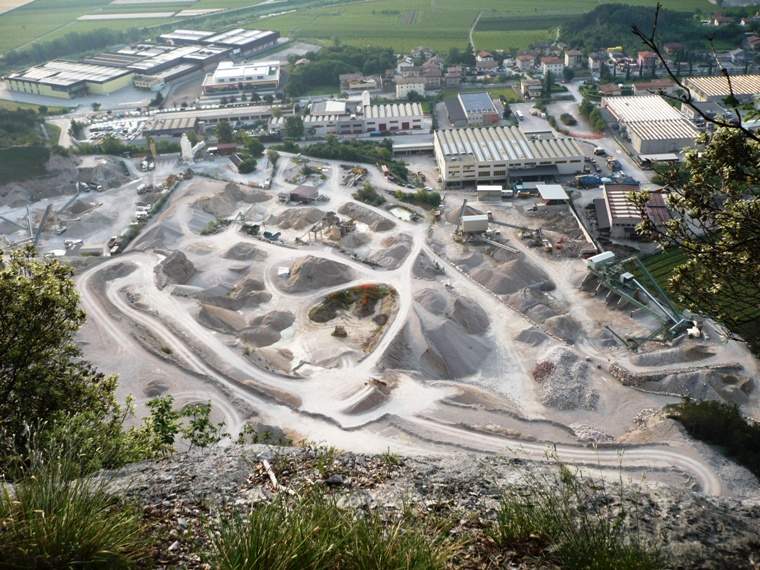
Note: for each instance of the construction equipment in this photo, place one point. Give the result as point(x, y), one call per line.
point(547, 244)
point(461, 213)
point(560, 243)
point(272, 237)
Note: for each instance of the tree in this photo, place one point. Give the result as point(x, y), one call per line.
point(414, 97)
point(42, 110)
point(454, 57)
point(269, 99)
point(548, 83)
point(568, 74)
point(255, 147)
point(293, 127)
point(224, 132)
point(247, 166)
point(273, 156)
point(716, 217)
point(42, 378)
point(76, 128)
point(157, 101)
point(96, 106)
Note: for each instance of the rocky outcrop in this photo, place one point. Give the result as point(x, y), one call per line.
point(187, 491)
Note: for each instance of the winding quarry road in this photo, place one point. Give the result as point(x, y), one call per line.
point(318, 405)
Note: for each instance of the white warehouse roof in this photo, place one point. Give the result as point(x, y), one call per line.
point(551, 191)
point(392, 110)
point(642, 108)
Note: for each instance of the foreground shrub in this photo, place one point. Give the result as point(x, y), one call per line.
point(49, 520)
point(576, 523)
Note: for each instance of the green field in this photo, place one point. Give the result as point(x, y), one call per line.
point(13, 105)
point(400, 24)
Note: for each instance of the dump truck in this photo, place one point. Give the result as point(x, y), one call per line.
point(587, 180)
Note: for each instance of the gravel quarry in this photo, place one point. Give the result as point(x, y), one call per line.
point(366, 332)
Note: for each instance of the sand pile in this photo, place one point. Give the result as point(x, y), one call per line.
point(220, 319)
point(453, 216)
point(296, 218)
point(161, 236)
point(394, 251)
point(436, 346)
point(176, 268)
point(265, 330)
point(311, 273)
point(689, 353)
point(226, 203)
point(508, 277)
point(376, 222)
point(563, 381)
point(243, 251)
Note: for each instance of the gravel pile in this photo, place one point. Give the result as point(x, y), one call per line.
point(588, 433)
point(296, 218)
point(376, 222)
point(563, 381)
point(176, 268)
point(312, 273)
point(394, 250)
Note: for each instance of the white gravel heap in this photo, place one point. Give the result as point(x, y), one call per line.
point(567, 386)
point(589, 433)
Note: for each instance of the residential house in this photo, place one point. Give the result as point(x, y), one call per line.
point(484, 56)
point(720, 19)
point(573, 58)
point(672, 48)
point(411, 71)
point(404, 85)
point(542, 48)
point(390, 74)
point(531, 87)
point(422, 52)
point(525, 62)
point(484, 66)
point(646, 59)
point(432, 78)
point(752, 43)
point(750, 20)
point(661, 85)
point(595, 61)
point(434, 61)
point(739, 56)
point(610, 90)
point(552, 64)
point(454, 75)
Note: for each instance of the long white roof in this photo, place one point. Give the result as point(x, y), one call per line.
point(496, 144)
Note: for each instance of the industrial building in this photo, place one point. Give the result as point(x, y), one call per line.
point(471, 109)
point(743, 87)
point(651, 124)
point(241, 42)
point(304, 194)
point(618, 216)
point(232, 78)
point(489, 192)
point(474, 224)
point(374, 119)
point(502, 154)
point(552, 194)
point(67, 79)
point(168, 126)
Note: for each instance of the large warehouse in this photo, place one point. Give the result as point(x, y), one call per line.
point(242, 42)
point(68, 79)
point(744, 87)
point(500, 154)
point(232, 78)
point(652, 125)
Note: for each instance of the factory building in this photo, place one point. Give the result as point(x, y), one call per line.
point(241, 42)
point(393, 117)
point(502, 154)
point(744, 87)
point(618, 216)
point(67, 79)
point(651, 124)
point(471, 109)
point(168, 126)
point(232, 78)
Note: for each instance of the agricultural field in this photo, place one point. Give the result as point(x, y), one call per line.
point(661, 265)
point(399, 24)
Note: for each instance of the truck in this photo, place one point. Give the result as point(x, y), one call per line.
point(519, 114)
point(613, 164)
point(587, 180)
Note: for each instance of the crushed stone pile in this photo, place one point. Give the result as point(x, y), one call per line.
point(565, 327)
point(453, 216)
point(589, 433)
point(227, 202)
point(471, 316)
point(311, 273)
point(176, 268)
point(394, 251)
point(164, 235)
point(264, 330)
point(295, 218)
point(244, 251)
point(80, 206)
point(108, 173)
point(376, 222)
point(563, 381)
point(435, 345)
point(689, 353)
point(508, 277)
point(531, 336)
point(424, 268)
point(705, 384)
point(220, 319)
point(355, 240)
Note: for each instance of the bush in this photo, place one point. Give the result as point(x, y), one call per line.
point(367, 194)
point(55, 520)
point(568, 119)
point(575, 523)
point(720, 423)
point(422, 197)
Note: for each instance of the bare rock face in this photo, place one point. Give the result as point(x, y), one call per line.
point(175, 269)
